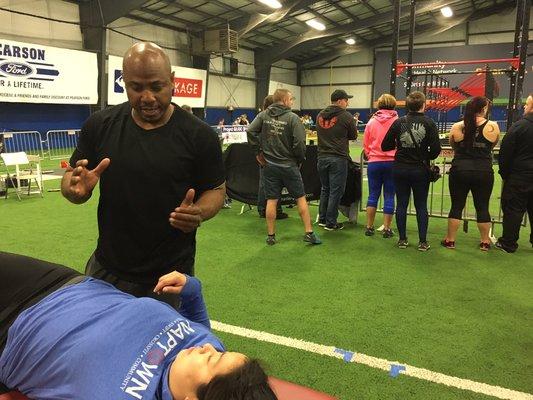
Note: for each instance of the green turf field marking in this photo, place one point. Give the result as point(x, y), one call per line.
point(374, 362)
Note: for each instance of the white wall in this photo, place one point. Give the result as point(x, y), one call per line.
point(284, 71)
point(34, 30)
point(117, 44)
point(223, 91)
point(317, 97)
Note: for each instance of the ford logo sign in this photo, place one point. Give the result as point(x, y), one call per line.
point(16, 69)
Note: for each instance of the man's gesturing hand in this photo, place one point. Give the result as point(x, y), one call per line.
point(82, 181)
point(187, 217)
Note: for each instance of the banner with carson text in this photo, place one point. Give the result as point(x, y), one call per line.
point(189, 84)
point(32, 73)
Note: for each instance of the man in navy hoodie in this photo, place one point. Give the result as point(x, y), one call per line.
point(335, 126)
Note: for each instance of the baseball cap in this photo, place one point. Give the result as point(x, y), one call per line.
point(340, 94)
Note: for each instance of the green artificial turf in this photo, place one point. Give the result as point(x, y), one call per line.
point(460, 312)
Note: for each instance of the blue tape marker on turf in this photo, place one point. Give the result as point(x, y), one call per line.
point(395, 370)
point(347, 355)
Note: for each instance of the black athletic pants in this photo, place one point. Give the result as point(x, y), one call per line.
point(25, 281)
point(96, 270)
point(517, 198)
point(480, 183)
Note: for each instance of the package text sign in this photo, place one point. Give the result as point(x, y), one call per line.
point(189, 84)
point(31, 73)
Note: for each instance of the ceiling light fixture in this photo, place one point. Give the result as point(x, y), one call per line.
point(350, 41)
point(446, 12)
point(313, 23)
point(271, 3)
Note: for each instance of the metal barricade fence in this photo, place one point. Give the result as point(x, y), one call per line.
point(27, 141)
point(439, 200)
point(61, 143)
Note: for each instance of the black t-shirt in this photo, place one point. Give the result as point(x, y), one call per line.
point(149, 174)
point(408, 153)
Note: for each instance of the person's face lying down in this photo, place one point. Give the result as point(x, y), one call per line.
point(197, 366)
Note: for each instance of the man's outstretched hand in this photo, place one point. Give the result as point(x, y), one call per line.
point(79, 181)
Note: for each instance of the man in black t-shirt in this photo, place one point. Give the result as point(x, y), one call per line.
point(516, 169)
point(161, 175)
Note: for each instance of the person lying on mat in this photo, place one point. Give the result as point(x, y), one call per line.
point(67, 336)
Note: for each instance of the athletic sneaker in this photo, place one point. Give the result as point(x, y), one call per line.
point(449, 244)
point(484, 246)
point(423, 246)
point(387, 233)
point(322, 223)
point(403, 243)
point(500, 246)
point(369, 231)
point(336, 227)
point(271, 240)
point(312, 238)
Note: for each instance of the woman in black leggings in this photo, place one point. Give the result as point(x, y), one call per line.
point(473, 140)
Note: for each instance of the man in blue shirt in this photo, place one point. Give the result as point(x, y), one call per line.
point(66, 336)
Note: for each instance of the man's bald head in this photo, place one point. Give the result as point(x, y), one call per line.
point(143, 53)
point(149, 84)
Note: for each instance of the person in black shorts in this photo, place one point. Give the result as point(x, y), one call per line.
point(161, 175)
point(472, 140)
point(278, 136)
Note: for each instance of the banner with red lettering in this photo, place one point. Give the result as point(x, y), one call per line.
point(189, 84)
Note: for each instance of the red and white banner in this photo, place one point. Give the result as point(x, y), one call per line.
point(189, 84)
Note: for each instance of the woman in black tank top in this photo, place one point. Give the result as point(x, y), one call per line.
point(473, 141)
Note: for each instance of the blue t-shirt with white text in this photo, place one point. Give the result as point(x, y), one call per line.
point(91, 341)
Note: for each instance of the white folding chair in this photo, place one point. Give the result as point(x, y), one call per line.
point(26, 168)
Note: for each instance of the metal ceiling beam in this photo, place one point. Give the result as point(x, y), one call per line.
point(428, 28)
point(156, 22)
point(248, 22)
point(312, 39)
point(190, 25)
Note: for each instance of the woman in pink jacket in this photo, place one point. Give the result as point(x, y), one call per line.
point(380, 165)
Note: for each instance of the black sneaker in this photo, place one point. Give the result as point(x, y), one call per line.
point(423, 246)
point(500, 246)
point(312, 238)
point(271, 240)
point(369, 231)
point(387, 233)
point(403, 243)
point(321, 223)
point(336, 227)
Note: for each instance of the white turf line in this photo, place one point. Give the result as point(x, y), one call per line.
point(375, 362)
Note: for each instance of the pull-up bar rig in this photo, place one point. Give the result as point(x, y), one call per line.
point(400, 67)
